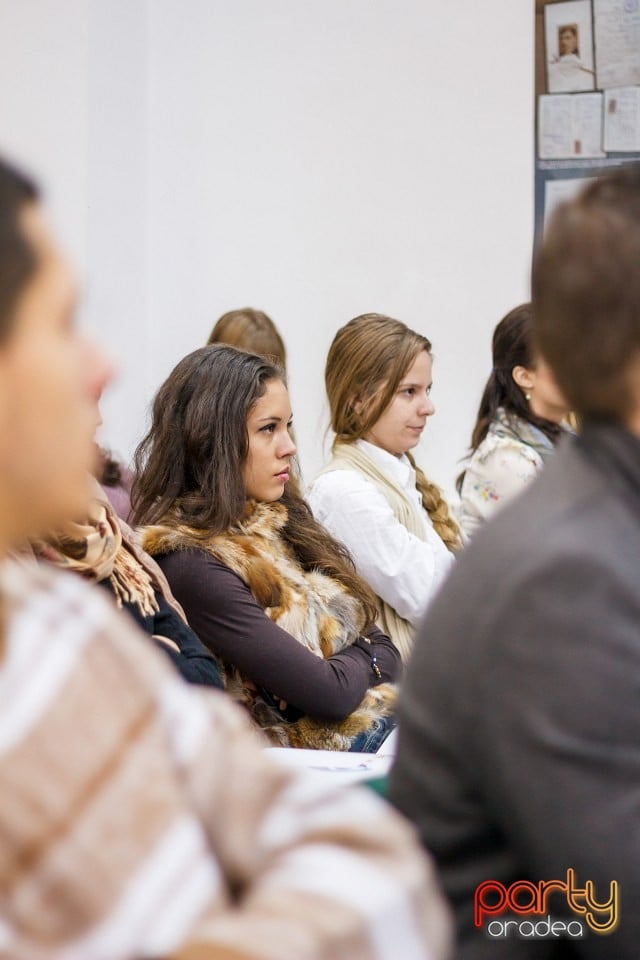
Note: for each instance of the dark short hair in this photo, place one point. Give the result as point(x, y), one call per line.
point(17, 258)
point(586, 294)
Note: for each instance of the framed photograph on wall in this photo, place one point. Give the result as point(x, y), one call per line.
point(568, 32)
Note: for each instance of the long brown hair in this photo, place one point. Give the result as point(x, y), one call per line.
point(367, 360)
point(189, 465)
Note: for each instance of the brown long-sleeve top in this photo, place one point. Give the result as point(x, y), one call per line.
point(223, 612)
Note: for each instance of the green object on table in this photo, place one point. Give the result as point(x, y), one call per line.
point(377, 784)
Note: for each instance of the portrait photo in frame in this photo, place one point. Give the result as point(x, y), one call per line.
point(568, 29)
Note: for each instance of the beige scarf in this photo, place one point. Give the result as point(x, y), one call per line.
point(348, 456)
point(311, 606)
point(95, 550)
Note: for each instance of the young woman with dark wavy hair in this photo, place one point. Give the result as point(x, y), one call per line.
point(262, 583)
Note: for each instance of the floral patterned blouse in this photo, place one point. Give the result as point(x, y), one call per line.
point(501, 467)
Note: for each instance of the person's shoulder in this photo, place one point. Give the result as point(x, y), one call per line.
point(534, 524)
point(201, 581)
point(508, 437)
point(500, 444)
point(548, 504)
point(186, 568)
point(55, 622)
point(185, 559)
point(568, 514)
point(568, 534)
point(43, 593)
point(547, 528)
point(500, 457)
point(176, 548)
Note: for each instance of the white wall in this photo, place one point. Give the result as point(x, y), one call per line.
point(44, 105)
point(314, 159)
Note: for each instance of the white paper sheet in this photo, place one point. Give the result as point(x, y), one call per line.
point(342, 767)
point(622, 119)
point(617, 34)
point(570, 126)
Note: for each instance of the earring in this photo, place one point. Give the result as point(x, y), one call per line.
point(527, 396)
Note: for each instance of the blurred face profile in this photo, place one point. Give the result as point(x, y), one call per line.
point(568, 41)
point(51, 379)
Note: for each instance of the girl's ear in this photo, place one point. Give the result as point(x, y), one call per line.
point(524, 378)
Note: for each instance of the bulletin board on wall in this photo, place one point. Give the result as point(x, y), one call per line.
point(587, 91)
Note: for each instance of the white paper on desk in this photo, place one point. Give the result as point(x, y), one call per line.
point(570, 126)
point(622, 119)
point(617, 31)
point(341, 766)
point(569, 68)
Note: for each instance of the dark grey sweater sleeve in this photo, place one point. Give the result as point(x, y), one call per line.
point(222, 611)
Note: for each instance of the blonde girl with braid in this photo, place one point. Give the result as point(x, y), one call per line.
point(372, 495)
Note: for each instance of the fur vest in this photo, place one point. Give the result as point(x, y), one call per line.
point(311, 606)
